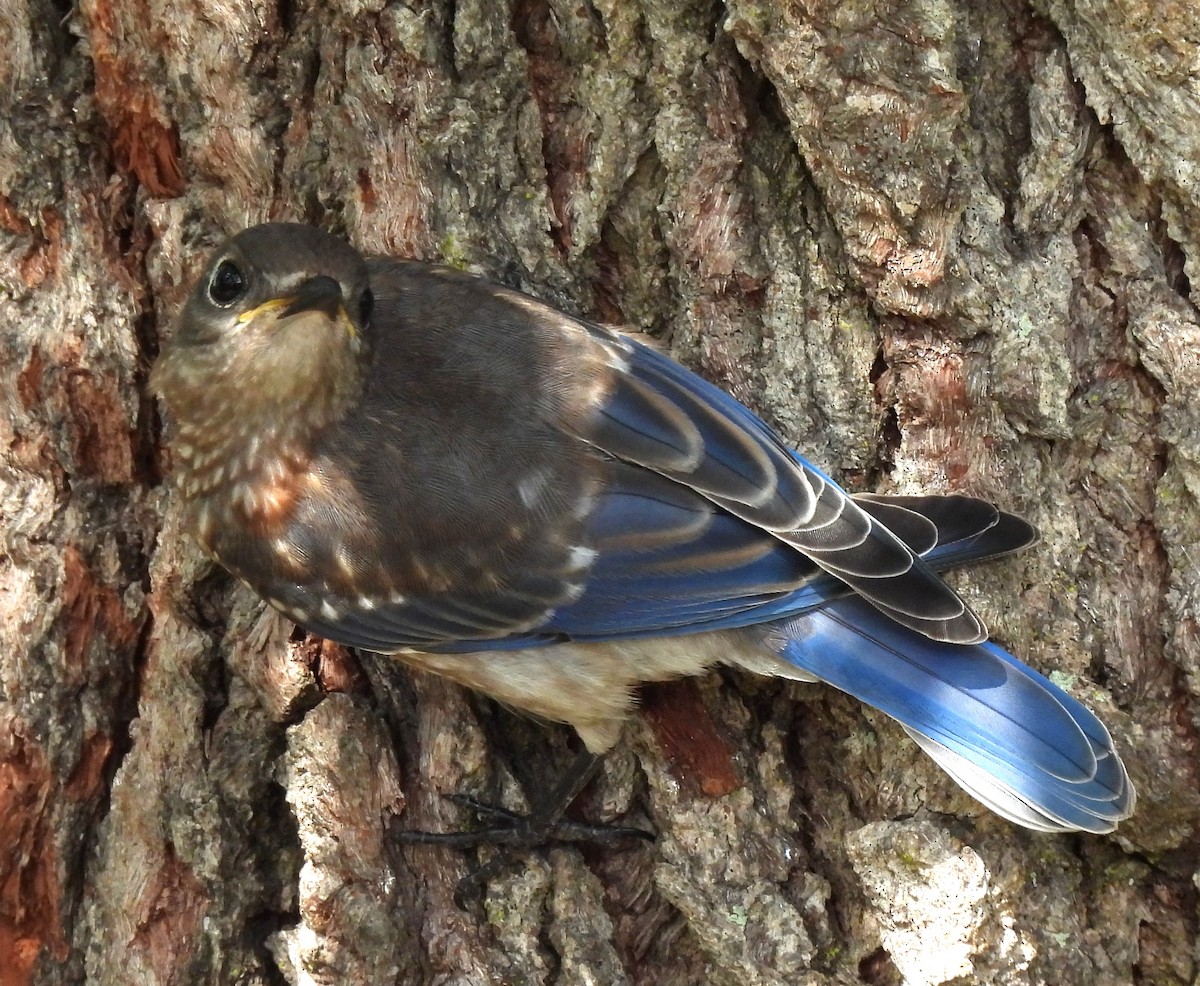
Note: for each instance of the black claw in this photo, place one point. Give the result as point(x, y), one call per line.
point(485, 810)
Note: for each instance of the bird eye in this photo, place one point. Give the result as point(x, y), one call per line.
point(366, 305)
point(227, 284)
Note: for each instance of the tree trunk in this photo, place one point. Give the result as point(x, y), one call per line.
point(939, 245)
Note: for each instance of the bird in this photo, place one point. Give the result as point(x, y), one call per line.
point(409, 459)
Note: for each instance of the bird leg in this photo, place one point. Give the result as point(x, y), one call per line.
point(542, 825)
point(514, 832)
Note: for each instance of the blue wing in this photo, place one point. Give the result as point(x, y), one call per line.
point(661, 417)
point(704, 520)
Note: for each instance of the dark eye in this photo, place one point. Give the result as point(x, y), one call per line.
point(366, 304)
point(227, 284)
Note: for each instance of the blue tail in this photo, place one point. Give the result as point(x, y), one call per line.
point(1009, 736)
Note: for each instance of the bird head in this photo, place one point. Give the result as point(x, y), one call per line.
point(271, 345)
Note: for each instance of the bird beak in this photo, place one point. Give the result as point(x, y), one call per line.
point(321, 294)
point(317, 294)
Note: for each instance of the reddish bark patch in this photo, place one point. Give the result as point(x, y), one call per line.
point(366, 191)
point(89, 608)
point(172, 908)
point(148, 148)
point(87, 778)
point(689, 738)
point(337, 670)
point(101, 439)
point(29, 889)
point(932, 402)
point(145, 143)
point(97, 426)
point(42, 258)
point(940, 396)
point(30, 379)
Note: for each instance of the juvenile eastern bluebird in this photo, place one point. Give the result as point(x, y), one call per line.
point(411, 460)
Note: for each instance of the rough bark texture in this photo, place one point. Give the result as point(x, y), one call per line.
point(941, 245)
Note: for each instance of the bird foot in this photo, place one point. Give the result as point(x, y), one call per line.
point(512, 834)
point(516, 831)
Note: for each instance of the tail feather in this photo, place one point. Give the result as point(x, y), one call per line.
point(1002, 797)
point(1009, 736)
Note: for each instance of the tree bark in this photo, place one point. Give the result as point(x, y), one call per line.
point(939, 245)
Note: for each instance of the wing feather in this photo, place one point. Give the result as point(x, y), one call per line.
point(658, 415)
